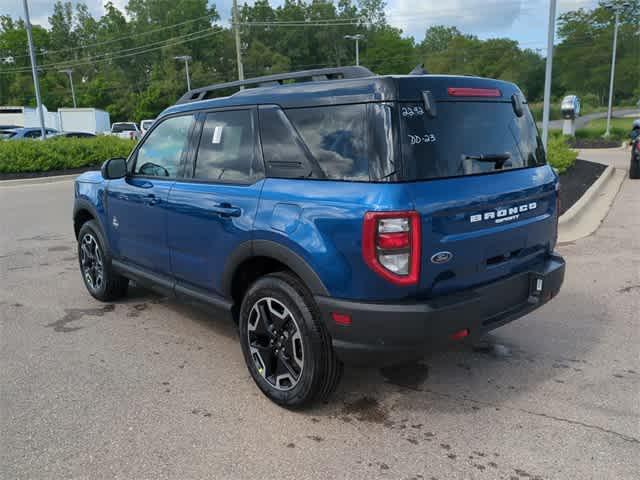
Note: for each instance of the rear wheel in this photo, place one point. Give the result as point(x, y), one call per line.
point(286, 347)
point(95, 265)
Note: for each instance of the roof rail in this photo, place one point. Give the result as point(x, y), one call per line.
point(316, 75)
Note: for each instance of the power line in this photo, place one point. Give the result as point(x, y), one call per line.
point(51, 66)
point(119, 39)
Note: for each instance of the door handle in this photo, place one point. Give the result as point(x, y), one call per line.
point(225, 210)
point(152, 199)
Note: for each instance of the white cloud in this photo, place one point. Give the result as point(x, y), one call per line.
point(481, 17)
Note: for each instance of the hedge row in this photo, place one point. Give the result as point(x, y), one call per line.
point(17, 156)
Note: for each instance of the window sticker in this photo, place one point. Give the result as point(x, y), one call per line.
point(217, 134)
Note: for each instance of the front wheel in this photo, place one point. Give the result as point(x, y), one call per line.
point(101, 280)
point(285, 344)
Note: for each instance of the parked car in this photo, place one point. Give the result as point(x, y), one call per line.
point(73, 135)
point(145, 125)
point(125, 130)
point(634, 166)
point(24, 133)
point(338, 217)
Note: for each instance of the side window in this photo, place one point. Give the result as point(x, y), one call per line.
point(227, 150)
point(337, 138)
point(161, 152)
point(284, 153)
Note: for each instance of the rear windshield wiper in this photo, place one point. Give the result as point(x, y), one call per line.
point(498, 159)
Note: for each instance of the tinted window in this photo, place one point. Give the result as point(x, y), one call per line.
point(161, 151)
point(284, 153)
point(336, 137)
point(123, 127)
point(467, 138)
point(227, 148)
point(32, 134)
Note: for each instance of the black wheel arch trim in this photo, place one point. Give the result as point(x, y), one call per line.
point(82, 204)
point(267, 248)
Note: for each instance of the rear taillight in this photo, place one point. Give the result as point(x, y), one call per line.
point(473, 92)
point(391, 245)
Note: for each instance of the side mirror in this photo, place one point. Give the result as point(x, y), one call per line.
point(114, 168)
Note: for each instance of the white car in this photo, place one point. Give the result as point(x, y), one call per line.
point(146, 125)
point(125, 130)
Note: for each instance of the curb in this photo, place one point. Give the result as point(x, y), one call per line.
point(588, 213)
point(36, 180)
point(584, 200)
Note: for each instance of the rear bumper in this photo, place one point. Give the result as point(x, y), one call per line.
point(383, 334)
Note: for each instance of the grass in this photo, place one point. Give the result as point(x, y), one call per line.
point(620, 128)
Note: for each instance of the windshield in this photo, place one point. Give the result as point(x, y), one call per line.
point(467, 138)
point(123, 127)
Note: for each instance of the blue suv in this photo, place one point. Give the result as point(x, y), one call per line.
point(336, 216)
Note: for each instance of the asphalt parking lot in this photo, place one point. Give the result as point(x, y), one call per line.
point(149, 388)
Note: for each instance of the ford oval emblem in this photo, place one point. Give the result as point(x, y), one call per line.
point(441, 257)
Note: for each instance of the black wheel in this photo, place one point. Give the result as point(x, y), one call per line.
point(95, 265)
point(634, 168)
point(285, 344)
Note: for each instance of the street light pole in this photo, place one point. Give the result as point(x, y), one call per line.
point(613, 72)
point(34, 72)
point(547, 74)
point(236, 27)
point(69, 71)
point(357, 38)
point(186, 59)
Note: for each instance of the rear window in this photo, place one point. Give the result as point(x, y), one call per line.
point(466, 138)
point(123, 127)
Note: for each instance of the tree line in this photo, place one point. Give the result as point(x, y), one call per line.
point(124, 62)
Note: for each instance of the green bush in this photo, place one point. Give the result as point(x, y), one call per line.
point(18, 156)
point(559, 155)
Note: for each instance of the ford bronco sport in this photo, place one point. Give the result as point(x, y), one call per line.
point(335, 215)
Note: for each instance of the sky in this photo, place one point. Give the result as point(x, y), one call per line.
point(521, 20)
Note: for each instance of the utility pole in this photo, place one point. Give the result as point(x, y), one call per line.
point(357, 38)
point(69, 71)
point(237, 32)
point(547, 74)
point(186, 59)
point(34, 71)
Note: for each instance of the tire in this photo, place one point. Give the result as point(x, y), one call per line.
point(634, 168)
point(102, 282)
point(304, 367)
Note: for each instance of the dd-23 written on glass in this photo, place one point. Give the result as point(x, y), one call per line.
point(426, 138)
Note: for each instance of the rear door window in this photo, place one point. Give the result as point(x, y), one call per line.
point(467, 138)
point(337, 138)
point(227, 150)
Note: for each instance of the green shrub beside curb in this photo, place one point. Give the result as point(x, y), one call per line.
point(17, 156)
point(559, 155)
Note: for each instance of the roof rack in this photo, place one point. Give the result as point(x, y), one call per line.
point(316, 75)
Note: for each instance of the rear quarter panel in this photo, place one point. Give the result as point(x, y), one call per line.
point(321, 221)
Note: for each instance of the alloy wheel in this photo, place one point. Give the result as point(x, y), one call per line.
point(275, 343)
point(91, 261)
